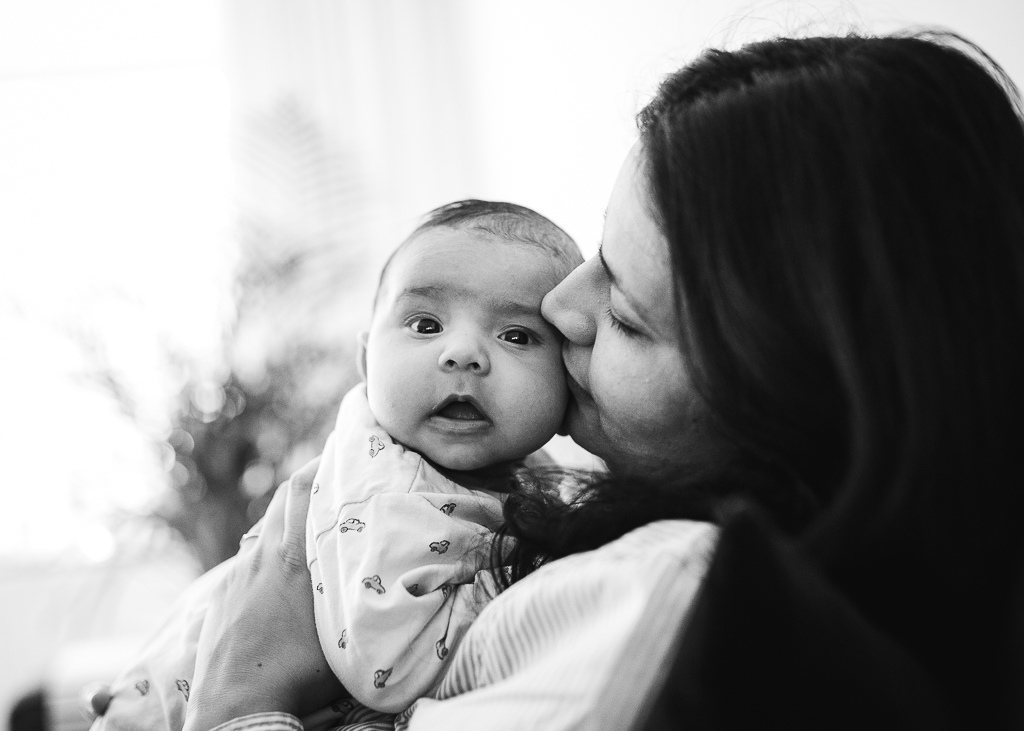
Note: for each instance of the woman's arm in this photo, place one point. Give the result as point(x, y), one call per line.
point(257, 655)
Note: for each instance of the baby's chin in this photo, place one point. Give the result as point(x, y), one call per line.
point(481, 456)
point(482, 463)
point(461, 462)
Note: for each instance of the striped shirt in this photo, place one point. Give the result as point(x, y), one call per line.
point(583, 643)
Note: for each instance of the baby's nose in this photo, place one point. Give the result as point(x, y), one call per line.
point(465, 354)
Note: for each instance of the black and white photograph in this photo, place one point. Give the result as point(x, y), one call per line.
point(605, 365)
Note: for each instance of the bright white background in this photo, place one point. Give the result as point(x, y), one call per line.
point(119, 186)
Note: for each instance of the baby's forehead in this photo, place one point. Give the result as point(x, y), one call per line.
point(449, 256)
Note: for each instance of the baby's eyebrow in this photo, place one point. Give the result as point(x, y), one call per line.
point(512, 307)
point(504, 307)
point(426, 291)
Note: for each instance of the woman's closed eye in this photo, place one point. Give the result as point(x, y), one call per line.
point(621, 326)
point(425, 325)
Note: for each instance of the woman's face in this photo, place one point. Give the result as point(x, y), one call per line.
point(632, 400)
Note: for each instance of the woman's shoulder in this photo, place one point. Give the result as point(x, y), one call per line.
point(660, 563)
point(579, 636)
point(665, 545)
point(663, 539)
point(643, 563)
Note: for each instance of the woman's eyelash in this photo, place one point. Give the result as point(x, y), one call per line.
point(619, 324)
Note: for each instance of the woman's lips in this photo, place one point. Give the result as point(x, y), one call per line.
point(577, 390)
point(578, 399)
point(575, 359)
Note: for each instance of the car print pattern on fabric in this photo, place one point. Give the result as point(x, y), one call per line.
point(376, 445)
point(373, 582)
point(342, 706)
point(381, 677)
point(351, 524)
point(373, 487)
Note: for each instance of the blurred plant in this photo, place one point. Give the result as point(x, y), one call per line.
point(291, 353)
point(233, 442)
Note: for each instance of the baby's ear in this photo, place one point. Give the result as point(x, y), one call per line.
point(361, 353)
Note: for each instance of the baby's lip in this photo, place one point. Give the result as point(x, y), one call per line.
point(460, 398)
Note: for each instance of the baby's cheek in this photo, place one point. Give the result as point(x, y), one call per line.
point(543, 400)
point(558, 388)
point(389, 402)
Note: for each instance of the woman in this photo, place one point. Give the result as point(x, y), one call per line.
point(809, 299)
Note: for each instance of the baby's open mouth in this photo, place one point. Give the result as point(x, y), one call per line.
point(457, 408)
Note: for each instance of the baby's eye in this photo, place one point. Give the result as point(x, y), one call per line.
point(425, 326)
point(517, 337)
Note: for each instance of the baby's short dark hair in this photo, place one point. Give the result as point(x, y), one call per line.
point(509, 221)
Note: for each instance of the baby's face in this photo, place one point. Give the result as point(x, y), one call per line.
point(460, 364)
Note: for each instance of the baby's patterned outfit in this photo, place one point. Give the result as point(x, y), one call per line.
point(400, 561)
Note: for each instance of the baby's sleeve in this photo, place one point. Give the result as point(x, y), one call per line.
point(400, 561)
point(152, 693)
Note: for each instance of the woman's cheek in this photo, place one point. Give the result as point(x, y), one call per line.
point(639, 394)
point(612, 385)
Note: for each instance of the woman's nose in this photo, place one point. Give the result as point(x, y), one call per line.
point(464, 353)
point(572, 305)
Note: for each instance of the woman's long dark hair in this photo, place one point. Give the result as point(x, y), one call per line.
point(846, 224)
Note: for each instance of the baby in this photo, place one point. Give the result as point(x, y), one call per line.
point(462, 381)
